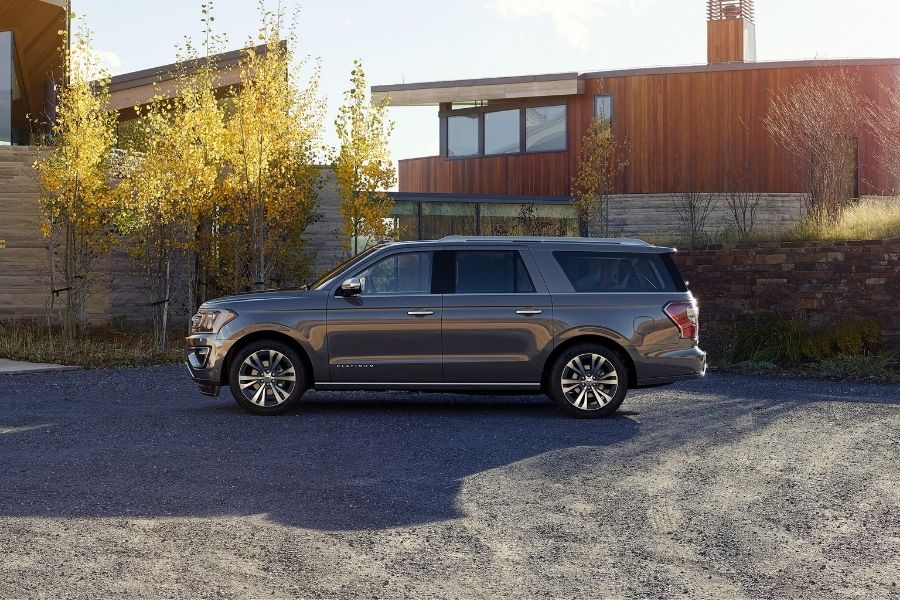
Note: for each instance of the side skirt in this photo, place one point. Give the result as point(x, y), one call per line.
point(427, 386)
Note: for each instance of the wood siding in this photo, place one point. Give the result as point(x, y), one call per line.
point(725, 41)
point(539, 174)
point(684, 129)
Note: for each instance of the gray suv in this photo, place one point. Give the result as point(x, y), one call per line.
point(583, 320)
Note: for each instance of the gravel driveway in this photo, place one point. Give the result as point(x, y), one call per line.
point(128, 483)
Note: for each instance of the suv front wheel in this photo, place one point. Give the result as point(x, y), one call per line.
point(588, 381)
point(267, 377)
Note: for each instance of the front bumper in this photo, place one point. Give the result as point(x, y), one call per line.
point(205, 359)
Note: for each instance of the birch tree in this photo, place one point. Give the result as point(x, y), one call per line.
point(273, 141)
point(77, 203)
point(363, 167)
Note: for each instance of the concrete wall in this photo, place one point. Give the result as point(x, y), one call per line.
point(822, 281)
point(118, 288)
point(637, 215)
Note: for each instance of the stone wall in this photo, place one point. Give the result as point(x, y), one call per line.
point(638, 215)
point(118, 289)
point(823, 281)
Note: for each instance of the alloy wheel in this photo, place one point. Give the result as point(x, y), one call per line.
point(267, 378)
point(589, 381)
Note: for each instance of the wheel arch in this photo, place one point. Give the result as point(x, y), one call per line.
point(591, 338)
point(268, 334)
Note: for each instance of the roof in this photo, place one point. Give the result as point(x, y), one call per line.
point(570, 243)
point(567, 84)
point(139, 87)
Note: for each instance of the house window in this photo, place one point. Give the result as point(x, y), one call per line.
point(502, 132)
point(545, 128)
point(462, 135)
point(603, 109)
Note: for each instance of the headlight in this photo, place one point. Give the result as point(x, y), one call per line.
point(211, 321)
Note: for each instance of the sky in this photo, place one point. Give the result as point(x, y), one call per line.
point(430, 40)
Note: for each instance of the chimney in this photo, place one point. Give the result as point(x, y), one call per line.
point(730, 31)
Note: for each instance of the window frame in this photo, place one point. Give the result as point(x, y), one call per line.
point(612, 111)
point(446, 112)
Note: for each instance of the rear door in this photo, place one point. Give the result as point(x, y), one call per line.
point(497, 317)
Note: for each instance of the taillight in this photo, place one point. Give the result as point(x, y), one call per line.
point(686, 317)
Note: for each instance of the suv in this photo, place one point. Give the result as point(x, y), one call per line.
point(583, 320)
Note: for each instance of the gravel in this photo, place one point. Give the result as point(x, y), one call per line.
point(128, 483)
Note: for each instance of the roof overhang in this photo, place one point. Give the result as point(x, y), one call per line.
point(140, 87)
point(36, 25)
point(495, 88)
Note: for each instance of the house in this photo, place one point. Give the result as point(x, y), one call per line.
point(509, 142)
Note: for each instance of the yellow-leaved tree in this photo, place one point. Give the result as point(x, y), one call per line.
point(273, 147)
point(603, 159)
point(77, 202)
point(363, 166)
point(169, 194)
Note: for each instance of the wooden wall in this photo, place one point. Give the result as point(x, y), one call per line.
point(684, 130)
point(725, 41)
point(538, 174)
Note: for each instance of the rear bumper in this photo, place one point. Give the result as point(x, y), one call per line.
point(672, 366)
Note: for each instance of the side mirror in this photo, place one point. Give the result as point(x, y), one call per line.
point(351, 287)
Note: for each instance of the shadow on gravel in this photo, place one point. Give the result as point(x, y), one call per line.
point(340, 462)
point(94, 444)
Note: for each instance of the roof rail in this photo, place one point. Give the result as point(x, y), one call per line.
point(539, 239)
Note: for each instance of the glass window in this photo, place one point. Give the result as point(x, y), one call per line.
point(545, 128)
point(501, 132)
point(615, 272)
point(440, 219)
point(462, 135)
point(491, 272)
point(405, 220)
point(407, 273)
point(6, 87)
point(528, 219)
point(603, 108)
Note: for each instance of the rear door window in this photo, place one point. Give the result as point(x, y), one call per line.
point(615, 272)
point(490, 272)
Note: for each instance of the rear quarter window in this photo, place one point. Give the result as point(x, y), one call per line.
point(618, 272)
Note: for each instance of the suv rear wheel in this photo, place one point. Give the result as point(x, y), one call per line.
point(267, 377)
point(588, 381)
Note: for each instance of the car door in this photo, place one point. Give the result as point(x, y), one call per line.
point(497, 322)
point(391, 330)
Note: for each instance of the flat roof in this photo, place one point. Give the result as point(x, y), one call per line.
point(166, 72)
point(550, 84)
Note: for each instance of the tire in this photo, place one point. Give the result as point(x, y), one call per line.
point(586, 396)
point(267, 391)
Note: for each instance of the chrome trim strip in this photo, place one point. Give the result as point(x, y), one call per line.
point(323, 384)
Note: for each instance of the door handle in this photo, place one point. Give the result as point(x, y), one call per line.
point(420, 313)
point(530, 311)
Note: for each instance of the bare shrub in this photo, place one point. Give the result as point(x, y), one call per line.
point(886, 119)
point(693, 209)
point(742, 201)
point(818, 121)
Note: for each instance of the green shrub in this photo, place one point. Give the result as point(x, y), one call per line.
point(769, 337)
point(885, 365)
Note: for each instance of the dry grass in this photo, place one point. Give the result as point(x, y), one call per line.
point(868, 219)
point(94, 347)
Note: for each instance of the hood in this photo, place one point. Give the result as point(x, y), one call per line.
point(279, 298)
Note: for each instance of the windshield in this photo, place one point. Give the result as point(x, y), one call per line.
point(328, 278)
